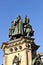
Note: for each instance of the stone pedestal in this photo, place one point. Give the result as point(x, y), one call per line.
point(21, 48)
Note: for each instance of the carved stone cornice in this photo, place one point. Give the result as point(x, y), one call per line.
point(16, 42)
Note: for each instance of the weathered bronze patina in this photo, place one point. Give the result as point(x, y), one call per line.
point(20, 27)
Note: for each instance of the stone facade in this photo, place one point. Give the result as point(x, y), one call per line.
point(24, 51)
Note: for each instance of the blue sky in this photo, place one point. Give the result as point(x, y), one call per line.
point(10, 9)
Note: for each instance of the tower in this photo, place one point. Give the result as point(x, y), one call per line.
point(21, 48)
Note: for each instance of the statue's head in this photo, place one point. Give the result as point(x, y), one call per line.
point(27, 19)
point(19, 17)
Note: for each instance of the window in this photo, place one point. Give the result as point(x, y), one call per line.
point(15, 48)
point(11, 49)
point(20, 47)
